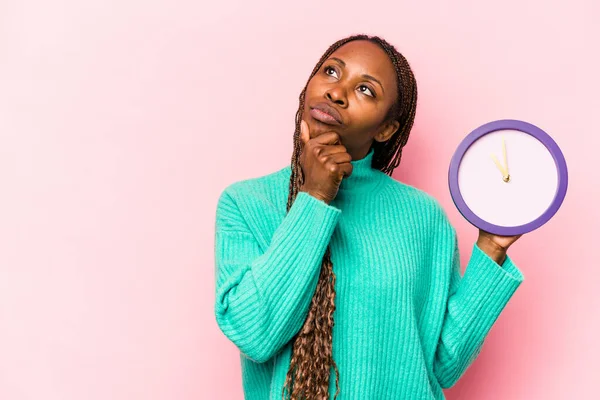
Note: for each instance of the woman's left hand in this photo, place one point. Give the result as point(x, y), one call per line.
point(503, 242)
point(495, 246)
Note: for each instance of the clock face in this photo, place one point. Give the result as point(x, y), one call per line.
point(508, 177)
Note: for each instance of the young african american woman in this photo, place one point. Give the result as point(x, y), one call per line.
point(334, 232)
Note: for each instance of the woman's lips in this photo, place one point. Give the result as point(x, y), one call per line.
point(323, 117)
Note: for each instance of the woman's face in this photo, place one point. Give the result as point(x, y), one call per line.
point(357, 84)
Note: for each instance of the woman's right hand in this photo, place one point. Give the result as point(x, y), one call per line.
point(324, 162)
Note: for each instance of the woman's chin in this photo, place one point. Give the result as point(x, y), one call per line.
point(318, 127)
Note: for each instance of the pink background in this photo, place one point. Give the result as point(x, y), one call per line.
point(122, 121)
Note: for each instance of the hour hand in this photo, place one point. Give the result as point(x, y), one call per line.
point(500, 167)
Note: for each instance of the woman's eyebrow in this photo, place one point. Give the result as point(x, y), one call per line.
point(366, 76)
point(339, 60)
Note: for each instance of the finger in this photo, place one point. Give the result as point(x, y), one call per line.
point(304, 132)
point(334, 149)
point(339, 157)
point(346, 169)
point(328, 138)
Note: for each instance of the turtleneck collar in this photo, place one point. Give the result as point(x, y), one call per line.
point(363, 177)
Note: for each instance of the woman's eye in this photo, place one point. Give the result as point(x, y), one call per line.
point(370, 92)
point(329, 69)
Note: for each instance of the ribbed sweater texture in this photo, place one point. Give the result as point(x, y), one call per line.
point(407, 322)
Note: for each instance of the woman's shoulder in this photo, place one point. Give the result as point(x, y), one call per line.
point(255, 205)
point(407, 192)
point(259, 185)
point(423, 208)
point(406, 196)
point(263, 192)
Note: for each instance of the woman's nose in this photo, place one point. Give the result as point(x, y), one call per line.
point(337, 94)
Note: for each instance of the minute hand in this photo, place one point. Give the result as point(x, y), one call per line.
point(504, 155)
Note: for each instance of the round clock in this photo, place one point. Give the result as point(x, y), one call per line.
point(508, 177)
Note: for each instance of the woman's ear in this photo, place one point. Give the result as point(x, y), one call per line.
point(388, 130)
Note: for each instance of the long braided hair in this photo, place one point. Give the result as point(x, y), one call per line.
point(311, 360)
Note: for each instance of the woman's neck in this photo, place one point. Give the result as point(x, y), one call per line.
point(363, 177)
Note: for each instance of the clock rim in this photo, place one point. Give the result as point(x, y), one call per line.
point(525, 127)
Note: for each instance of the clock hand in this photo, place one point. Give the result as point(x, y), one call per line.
point(504, 154)
point(500, 167)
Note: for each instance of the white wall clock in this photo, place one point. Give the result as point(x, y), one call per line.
point(508, 177)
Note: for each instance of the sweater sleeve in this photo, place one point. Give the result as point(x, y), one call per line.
point(475, 301)
point(263, 296)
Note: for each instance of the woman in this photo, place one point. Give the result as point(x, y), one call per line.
point(380, 253)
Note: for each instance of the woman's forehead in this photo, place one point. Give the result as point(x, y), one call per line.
point(366, 57)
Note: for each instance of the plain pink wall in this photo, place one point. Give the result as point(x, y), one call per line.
point(122, 121)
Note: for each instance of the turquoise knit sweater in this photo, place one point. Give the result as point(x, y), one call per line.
point(407, 323)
